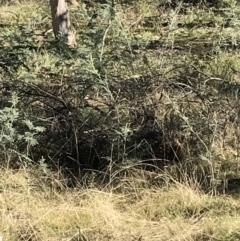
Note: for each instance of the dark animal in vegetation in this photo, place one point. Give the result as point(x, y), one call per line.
point(232, 185)
point(89, 154)
point(152, 148)
point(155, 149)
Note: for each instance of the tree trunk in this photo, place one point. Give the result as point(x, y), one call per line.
point(61, 21)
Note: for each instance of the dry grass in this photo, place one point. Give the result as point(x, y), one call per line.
point(20, 11)
point(32, 210)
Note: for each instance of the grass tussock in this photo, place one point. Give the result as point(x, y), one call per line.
point(176, 212)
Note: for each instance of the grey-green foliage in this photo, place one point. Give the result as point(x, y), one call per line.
point(16, 132)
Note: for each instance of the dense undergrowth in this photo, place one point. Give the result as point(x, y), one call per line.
point(148, 98)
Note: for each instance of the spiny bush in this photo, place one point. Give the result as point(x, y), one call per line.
point(18, 135)
point(101, 102)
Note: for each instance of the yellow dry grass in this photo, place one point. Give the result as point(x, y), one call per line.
point(17, 10)
point(31, 209)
